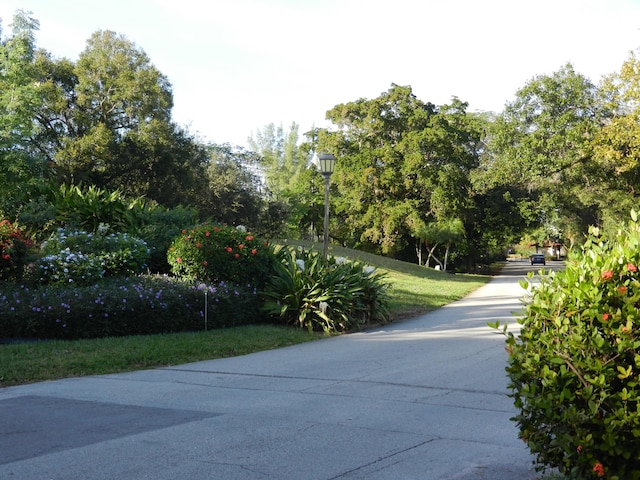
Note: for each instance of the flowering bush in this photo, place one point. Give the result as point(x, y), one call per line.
point(220, 253)
point(83, 257)
point(334, 297)
point(13, 250)
point(122, 306)
point(574, 368)
point(69, 267)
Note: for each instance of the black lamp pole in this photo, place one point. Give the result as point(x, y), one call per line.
point(327, 163)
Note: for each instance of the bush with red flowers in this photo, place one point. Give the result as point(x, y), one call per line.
point(221, 253)
point(14, 247)
point(574, 367)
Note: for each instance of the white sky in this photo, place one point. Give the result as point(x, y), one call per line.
point(238, 65)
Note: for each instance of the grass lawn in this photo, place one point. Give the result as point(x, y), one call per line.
point(414, 290)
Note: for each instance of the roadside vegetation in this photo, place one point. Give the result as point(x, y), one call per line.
point(411, 290)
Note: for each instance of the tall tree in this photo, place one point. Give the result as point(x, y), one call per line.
point(291, 190)
point(404, 163)
point(106, 121)
point(22, 169)
point(541, 146)
point(233, 192)
point(617, 145)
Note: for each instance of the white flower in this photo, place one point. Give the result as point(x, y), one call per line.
point(300, 264)
point(323, 306)
point(241, 228)
point(368, 270)
point(340, 260)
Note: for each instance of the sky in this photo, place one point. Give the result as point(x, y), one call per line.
point(239, 65)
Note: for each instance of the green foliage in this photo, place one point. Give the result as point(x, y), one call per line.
point(336, 296)
point(160, 226)
point(122, 306)
point(14, 247)
point(574, 367)
point(221, 253)
point(89, 207)
point(233, 192)
point(401, 162)
point(84, 257)
point(20, 97)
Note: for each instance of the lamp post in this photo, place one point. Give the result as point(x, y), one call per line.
point(327, 163)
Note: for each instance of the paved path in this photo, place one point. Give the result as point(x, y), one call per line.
point(420, 399)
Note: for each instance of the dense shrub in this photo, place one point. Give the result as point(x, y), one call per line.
point(86, 208)
point(159, 229)
point(83, 257)
point(122, 306)
point(335, 296)
point(575, 366)
point(14, 247)
point(221, 253)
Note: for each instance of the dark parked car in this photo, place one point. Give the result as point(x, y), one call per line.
point(537, 258)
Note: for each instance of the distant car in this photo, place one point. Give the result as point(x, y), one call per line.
point(537, 258)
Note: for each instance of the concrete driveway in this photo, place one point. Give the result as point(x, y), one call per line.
point(424, 398)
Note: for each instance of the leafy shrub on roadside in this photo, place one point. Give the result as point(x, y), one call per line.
point(122, 306)
point(221, 253)
point(574, 368)
point(334, 297)
point(84, 257)
point(14, 247)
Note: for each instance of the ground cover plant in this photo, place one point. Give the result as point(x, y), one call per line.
point(120, 306)
point(574, 366)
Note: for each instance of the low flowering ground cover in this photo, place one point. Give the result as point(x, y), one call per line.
point(120, 306)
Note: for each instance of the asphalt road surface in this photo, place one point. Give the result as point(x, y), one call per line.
point(424, 398)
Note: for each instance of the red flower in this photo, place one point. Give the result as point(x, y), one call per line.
point(205, 263)
point(178, 259)
point(229, 249)
point(184, 231)
point(249, 238)
point(241, 246)
point(622, 290)
point(606, 275)
point(605, 317)
point(631, 267)
point(598, 469)
point(216, 229)
point(5, 256)
point(198, 245)
point(237, 255)
point(254, 251)
point(207, 234)
point(579, 449)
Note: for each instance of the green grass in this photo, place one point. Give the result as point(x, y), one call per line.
point(413, 290)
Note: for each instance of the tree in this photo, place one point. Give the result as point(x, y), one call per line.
point(22, 168)
point(233, 192)
point(444, 233)
point(408, 165)
point(617, 145)
point(106, 121)
point(540, 151)
point(292, 190)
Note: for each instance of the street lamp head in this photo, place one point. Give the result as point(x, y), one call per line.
point(327, 163)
